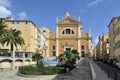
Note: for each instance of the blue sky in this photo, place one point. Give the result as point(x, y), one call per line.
point(94, 14)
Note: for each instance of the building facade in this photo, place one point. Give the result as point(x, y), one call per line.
point(114, 33)
point(44, 34)
point(69, 36)
point(105, 45)
point(94, 54)
point(99, 48)
point(29, 34)
point(23, 54)
point(101, 51)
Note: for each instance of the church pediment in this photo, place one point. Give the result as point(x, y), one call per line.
point(68, 20)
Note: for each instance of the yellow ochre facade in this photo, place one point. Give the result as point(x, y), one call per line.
point(29, 34)
point(69, 36)
point(114, 34)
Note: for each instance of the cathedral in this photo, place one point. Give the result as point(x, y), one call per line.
point(68, 36)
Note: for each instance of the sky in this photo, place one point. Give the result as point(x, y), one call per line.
point(94, 14)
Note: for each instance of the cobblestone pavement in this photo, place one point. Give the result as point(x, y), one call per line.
point(82, 72)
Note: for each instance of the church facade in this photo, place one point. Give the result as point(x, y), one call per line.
point(69, 36)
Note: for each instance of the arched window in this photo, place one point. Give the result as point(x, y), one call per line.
point(68, 31)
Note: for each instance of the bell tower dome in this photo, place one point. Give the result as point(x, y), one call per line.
point(66, 14)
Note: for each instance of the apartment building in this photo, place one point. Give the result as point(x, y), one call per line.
point(102, 47)
point(44, 34)
point(114, 34)
point(105, 45)
point(29, 34)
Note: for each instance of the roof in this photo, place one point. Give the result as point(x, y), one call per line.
point(68, 17)
point(11, 19)
point(113, 19)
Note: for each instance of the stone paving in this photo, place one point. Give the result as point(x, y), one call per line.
point(100, 75)
point(82, 72)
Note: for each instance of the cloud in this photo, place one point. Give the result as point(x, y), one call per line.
point(5, 3)
point(94, 3)
point(22, 15)
point(4, 12)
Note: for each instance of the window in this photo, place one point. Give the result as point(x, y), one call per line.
point(44, 30)
point(26, 22)
point(53, 47)
point(17, 28)
point(72, 32)
point(53, 53)
point(82, 47)
point(107, 41)
point(17, 22)
point(63, 32)
point(68, 49)
point(68, 31)
point(26, 28)
point(12, 22)
point(82, 53)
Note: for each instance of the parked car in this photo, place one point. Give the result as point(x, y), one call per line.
point(118, 65)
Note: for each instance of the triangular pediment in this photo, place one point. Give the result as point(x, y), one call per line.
point(68, 20)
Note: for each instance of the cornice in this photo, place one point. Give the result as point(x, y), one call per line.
point(68, 38)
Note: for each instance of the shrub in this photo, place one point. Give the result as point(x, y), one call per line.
point(37, 57)
point(69, 58)
point(60, 65)
point(30, 70)
point(35, 70)
point(50, 70)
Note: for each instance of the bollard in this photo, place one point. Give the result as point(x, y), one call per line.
point(115, 74)
point(108, 72)
point(102, 67)
point(67, 69)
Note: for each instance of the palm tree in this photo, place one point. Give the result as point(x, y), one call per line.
point(37, 57)
point(62, 58)
point(76, 53)
point(13, 39)
point(3, 29)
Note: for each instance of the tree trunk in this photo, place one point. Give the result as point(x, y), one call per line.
point(37, 62)
point(13, 57)
point(11, 47)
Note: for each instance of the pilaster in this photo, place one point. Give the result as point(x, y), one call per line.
point(57, 46)
point(79, 42)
